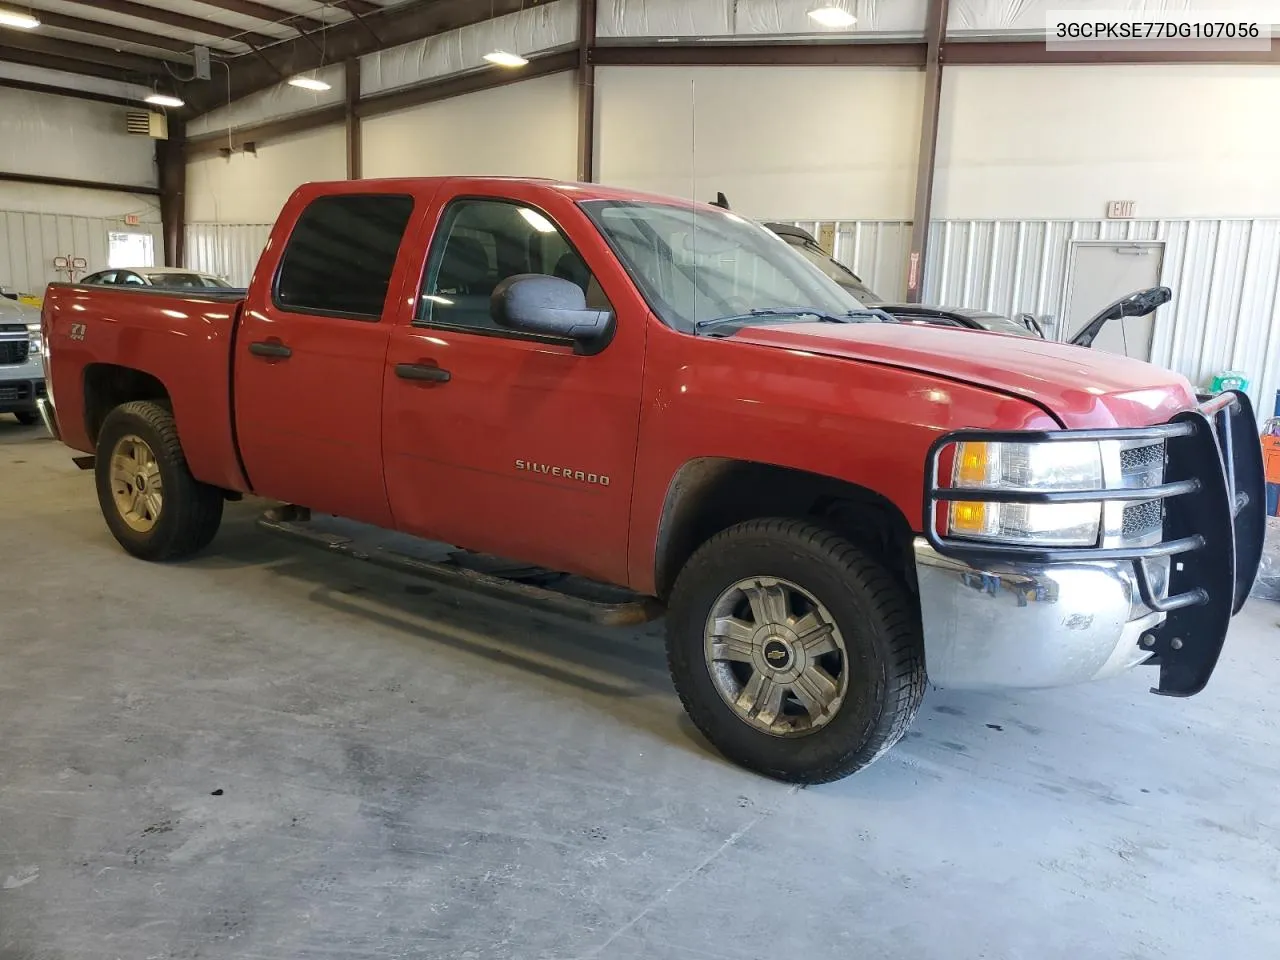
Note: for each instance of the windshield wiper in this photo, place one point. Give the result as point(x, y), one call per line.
point(822, 316)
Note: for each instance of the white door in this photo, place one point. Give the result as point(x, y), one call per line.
point(1101, 273)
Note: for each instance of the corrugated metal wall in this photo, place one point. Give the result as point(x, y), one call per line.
point(226, 249)
point(30, 241)
point(1224, 275)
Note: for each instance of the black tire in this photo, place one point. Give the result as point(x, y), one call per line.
point(190, 512)
point(874, 613)
point(26, 419)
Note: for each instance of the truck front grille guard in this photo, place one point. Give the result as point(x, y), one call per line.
point(1214, 497)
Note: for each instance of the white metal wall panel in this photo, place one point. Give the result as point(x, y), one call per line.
point(78, 139)
point(227, 250)
point(526, 129)
point(30, 241)
point(693, 131)
point(539, 29)
point(729, 18)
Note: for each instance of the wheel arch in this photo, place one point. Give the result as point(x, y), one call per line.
point(108, 385)
point(710, 494)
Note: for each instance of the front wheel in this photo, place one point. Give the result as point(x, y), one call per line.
point(795, 653)
point(153, 506)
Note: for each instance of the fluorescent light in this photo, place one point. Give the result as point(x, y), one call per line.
point(309, 83)
point(537, 220)
point(833, 16)
point(502, 58)
point(164, 100)
point(23, 21)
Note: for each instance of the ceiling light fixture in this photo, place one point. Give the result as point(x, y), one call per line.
point(164, 100)
point(23, 21)
point(501, 58)
point(832, 16)
point(309, 83)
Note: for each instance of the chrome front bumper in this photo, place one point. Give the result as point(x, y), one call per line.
point(1028, 625)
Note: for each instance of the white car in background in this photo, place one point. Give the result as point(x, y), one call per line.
point(21, 360)
point(169, 278)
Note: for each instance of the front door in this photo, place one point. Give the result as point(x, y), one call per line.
point(308, 365)
point(517, 446)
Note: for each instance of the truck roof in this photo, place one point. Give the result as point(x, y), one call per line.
point(575, 191)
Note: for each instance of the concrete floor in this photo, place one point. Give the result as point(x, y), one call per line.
point(269, 753)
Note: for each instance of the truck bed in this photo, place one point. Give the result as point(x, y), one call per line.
point(183, 341)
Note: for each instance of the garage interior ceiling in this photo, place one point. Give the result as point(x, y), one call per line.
point(149, 43)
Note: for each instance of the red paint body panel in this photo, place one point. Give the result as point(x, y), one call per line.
point(184, 342)
point(1084, 388)
point(451, 449)
point(334, 428)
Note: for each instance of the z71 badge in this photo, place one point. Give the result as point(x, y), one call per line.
point(76, 332)
point(568, 473)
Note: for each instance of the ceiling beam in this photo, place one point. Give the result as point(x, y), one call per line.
point(209, 28)
point(72, 92)
point(70, 50)
point(353, 7)
point(388, 27)
point(905, 54)
point(82, 184)
point(266, 13)
point(96, 28)
point(31, 58)
point(488, 78)
point(1022, 52)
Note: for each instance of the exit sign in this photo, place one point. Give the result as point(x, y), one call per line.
point(1121, 209)
point(132, 219)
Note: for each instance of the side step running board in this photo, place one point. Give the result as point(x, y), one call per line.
point(630, 613)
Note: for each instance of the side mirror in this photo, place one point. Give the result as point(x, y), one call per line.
point(537, 303)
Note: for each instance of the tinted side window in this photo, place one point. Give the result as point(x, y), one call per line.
point(480, 243)
point(340, 255)
point(130, 278)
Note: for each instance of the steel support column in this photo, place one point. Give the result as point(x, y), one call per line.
point(926, 159)
point(355, 152)
point(171, 164)
point(586, 91)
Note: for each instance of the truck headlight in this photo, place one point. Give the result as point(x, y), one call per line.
point(1027, 467)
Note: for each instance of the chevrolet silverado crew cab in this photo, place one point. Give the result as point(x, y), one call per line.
point(664, 400)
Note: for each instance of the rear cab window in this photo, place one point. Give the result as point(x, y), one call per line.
point(340, 256)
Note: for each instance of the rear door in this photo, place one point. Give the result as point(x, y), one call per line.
point(309, 355)
point(511, 443)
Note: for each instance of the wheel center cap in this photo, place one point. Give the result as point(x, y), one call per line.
point(140, 482)
point(777, 654)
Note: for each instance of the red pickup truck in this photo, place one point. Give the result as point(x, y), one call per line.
point(831, 508)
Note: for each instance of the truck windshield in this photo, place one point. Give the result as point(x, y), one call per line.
point(695, 265)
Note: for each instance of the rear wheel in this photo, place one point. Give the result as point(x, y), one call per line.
point(153, 506)
point(26, 419)
point(794, 652)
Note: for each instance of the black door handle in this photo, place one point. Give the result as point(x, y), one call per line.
point(422, 371)
point(270, 348)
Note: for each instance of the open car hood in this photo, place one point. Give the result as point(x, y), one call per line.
point(1093, 389)
point(1136, 304)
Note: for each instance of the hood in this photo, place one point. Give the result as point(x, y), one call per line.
point(11, 311)
point(1081, 388)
